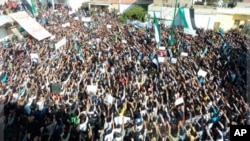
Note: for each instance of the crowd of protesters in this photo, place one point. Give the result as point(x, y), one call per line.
point(144, 93)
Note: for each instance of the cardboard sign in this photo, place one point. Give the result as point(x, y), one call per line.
point(202, 73)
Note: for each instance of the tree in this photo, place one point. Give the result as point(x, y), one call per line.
point(137, 12)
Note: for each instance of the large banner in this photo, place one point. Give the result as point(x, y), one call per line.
point(167, 13)
point(30, 25)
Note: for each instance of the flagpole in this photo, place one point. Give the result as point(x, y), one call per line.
point(172, 30)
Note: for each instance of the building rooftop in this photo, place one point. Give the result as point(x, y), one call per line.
point(123, 1)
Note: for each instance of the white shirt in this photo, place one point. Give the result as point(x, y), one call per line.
point(83, 126)
point(40, 105)
point(109, 137)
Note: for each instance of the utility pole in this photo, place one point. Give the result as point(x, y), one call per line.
point(172, 40)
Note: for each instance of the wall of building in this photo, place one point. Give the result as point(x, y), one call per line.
point(225, 21)
point(114, 6)
point(124, 7)
point(205, 21)
point(154, 9)
point(75, 4)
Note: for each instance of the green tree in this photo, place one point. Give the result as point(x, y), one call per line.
point(137, 12)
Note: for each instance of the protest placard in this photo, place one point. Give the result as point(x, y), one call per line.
point(91, 89)
point(34, 57)
point(109, 99)
point(202, 73)
point(86, 19)
point(118, 120)
point(184, 54)
point(124, 41)
point(30, 25)
point(59, 44)
point(66, 25)
point(173, 60)
point(179, 101)
point(108, 26)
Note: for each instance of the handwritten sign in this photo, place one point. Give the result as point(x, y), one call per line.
point(30, 25)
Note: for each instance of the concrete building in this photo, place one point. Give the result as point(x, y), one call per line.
point(206, 17)
point(74, 4)
point(119, 5)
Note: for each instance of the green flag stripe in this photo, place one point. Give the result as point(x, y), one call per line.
point(157, 29)
point(182, 14)
point(33, 7)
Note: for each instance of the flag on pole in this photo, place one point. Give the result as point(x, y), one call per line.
point(33, 8)
point(157, 30)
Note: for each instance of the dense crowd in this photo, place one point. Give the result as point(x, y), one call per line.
point(50, 98)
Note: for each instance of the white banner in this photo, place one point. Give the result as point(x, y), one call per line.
point(60, 43)
point(30, 25)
